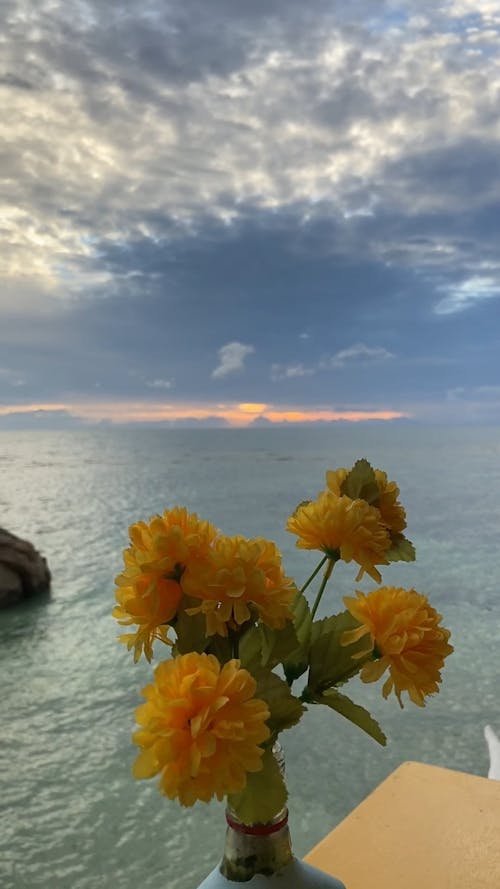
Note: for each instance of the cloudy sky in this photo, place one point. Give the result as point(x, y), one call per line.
point(232, 209)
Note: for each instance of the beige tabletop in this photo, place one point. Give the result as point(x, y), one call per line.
point(424, 827)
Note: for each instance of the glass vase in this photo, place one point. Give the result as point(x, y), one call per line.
point(261, 855)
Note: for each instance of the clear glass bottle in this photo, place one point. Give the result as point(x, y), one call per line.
point(261, 855)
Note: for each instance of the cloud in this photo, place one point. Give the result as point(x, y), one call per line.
point(182, 415)
point(357, 353)
point(231, 359)
point(468, 294)
point(159, 384)
point(228, 107)
point(40, 419)
point(181, 174)
point(210, 422)
point(290, 371)
point(265, 276)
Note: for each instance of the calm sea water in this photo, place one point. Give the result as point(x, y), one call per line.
point(70, 813)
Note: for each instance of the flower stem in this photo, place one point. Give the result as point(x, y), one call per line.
point(234, 642)
point(313, 575)
point(326, 578)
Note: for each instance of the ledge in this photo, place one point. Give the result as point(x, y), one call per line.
point(424, 827)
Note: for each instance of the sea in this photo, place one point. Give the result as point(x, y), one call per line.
point(71, 815)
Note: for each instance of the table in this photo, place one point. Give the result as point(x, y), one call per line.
point(424, 827)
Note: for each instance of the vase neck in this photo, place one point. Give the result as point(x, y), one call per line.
point(255, 848)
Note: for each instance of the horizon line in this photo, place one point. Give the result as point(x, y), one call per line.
point(230, 414)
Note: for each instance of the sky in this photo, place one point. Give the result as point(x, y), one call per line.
point(223, 212)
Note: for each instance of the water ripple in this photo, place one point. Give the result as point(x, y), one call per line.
point(71, 815)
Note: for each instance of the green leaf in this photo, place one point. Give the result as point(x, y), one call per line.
point(330, 662)
point(401, 550)
point(361, 483)
point(220, 646)
point(277, 645)
point(354, 713)
point(302, 618)
point(297, 662)
point(191, 629)
point(286, 710)
point(265, 793)
point(262, 646)
point(250, 649)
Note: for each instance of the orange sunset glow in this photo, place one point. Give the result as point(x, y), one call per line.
point(237, 415)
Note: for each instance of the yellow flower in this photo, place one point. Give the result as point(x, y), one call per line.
point(151, 611)
point(240, 580)
point(342, 528)
point(335, 478)
point(201, 728)
point(392, 513)
point(407, 640)
point(149, 590)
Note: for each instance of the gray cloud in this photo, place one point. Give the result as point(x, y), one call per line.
point(169, 110)
point(40, 419)
point(232, 359)
point(468, 294)
point(13, 80)
point(359, 352)
point(159, 384)
point(227, 163)
point(290, 371)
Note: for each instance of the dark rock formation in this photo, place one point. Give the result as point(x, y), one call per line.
point(23, 571)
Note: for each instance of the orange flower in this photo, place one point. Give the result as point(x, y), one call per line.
point(407, 640)
point(149, 590)
point(201, 728)
point(342, 528)
point(392, 513)
point(151, 611)
point(240, 580)
point(335, 478)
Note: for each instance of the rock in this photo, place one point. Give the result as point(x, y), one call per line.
point(23, 571)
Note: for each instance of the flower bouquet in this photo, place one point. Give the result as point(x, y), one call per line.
point(242, 636)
